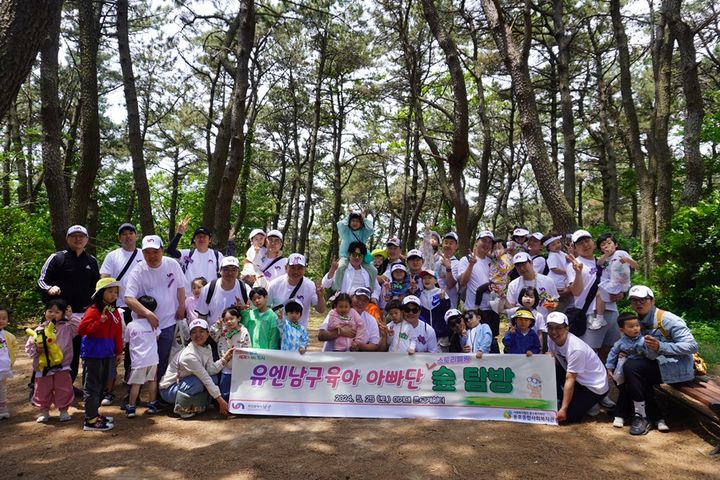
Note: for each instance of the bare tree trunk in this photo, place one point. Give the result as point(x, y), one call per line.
point(245, 178)
point(134, 134)
point(50, 117)
point(7, 168)
point(239, 112)
point(517, 64)
point(172, 220)
point(694, 111)
point(23, 29)
point(18, 155)
point(89, 23)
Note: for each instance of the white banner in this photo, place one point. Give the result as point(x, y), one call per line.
point(511, 388)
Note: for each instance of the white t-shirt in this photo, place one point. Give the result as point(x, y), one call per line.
point(452, 293)
point(542, 283)
point(480, 276)
point(404, 335)
point(143, 343)
point(279, 291)
point(275, 270)
point(589, 273)
point(539, 263)
point(161, 283)
point(220, 300)
point(200, 265)
point(557, 260)
point(114, 263)
point(619, 284)
point(352, 280)
point(577, 357)
point(372, 331)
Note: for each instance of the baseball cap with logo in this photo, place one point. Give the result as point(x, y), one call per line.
point(579, 235)
point(296, 259)
point(485, 234)
point(256, 231)
point(520, 232)
point(521, 257)
point(452, 313)
point(152, 241)
point(452, 236)
point(76, 229)
point(198, 322)
point(411, 299)
point(558, 318)
point(126, 226)
point(640, 291)
point(414, 253)
point(393, 241)
point(230, 262)
point(275, 233)
point(362, 291)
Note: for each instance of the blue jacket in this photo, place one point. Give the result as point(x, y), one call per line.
point(519, 343)
point(480, 338)
point(633, 347)
point(436, 316)
point(677, 345)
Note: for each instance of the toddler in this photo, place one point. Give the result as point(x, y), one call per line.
point(479, 334)
point(343, 315)
point(615, 277)
point(520, 337)
point(458, 334)
point(8, 347)
point(399, 285)
point(261, 321)
point(192, 300)
point(229, 333)
point(144, 358)
point(294, 336)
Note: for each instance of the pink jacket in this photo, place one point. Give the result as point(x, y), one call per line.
point(65, 330)
point(342, 344)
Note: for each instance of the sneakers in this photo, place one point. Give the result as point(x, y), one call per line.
point(107, 399)
point(106, 419)
point(186, 415)
point(152, 408)
point(98, 425)
point(44, 417)
point(595, 323)
point(662, 426)
point(594, 410)
point(607, 402)
point(129, 411)
point(619, 422)
point(4, 415)
point(65, 416)
point(640, 425)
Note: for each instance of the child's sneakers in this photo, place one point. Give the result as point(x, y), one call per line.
point(97, 425)
point(106, 419)
point(152, 407)
point(44, 417)
point(129, 411)
point(595, 322)
point(65, 416)
point(619, 422)
point(108, 399)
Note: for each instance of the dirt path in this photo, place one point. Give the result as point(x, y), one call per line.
point(208, 446)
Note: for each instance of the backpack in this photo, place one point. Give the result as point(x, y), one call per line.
point(189, 257)
point(699, 365)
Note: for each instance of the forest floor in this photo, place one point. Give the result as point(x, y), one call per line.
point(256, 447)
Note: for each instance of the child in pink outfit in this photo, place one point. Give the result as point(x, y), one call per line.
point(343, 315)
point(54, 385)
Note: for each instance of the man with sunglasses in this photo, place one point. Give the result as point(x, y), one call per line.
point(351, 276)
point(667, 338)
point(412, 335)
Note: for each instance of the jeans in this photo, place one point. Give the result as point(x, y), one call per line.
point(165, 340)
point(190, 388)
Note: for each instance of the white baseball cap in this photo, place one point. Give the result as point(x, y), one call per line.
point(362, 291)
point(414, 253)
point(641, 291)
point(152, 241)
point(296, 259)
point(452, 313)
point(484, 234)
point(537, 236)
point(521, 257)
point(275, 233)
point(580, 234)
point(452, 235)
point(398, 266)
point(558, 318)
point(256, 231)
point(198, 322)
point(76, 229)
point(393, 241)
point(520, 232)
point(411, 299)
point(230, 262)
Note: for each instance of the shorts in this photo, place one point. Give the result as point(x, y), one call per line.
point(605, 336)
point(142, 375)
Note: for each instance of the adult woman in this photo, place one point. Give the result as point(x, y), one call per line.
point(192, 375)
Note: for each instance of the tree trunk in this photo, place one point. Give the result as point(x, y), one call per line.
point(7, 168)
point(643, 172)
point(172, 221)
point(566, 106)
point(134, 134)
point(50, 117)
point(694, 111)
point(18, 155)
point(517, 64)
point(237, 128)
point(244, 179)
point(23, 28)
point(89, 36)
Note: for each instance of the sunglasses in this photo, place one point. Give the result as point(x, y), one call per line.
point(412, 310)
point(357, 255)
point(639, 300)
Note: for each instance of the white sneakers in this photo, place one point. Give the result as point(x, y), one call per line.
point(619, 422)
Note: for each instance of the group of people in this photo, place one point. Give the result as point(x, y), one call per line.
point(179, 314)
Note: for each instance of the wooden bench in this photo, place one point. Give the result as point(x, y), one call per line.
point(701, 395)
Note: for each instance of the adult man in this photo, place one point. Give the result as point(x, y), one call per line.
point(71, 274)
point(161, 278)
point(222, 292)
point(415, 262)
point(360, 303)
point(411, 335)
point(448, 274)
point(199, 261)
point(670, 346)
point(118, 264)
point(394, 255)
point(271, 265)
point(351, 277)
point(294, 285)
point(581, 377)
point(527, 277)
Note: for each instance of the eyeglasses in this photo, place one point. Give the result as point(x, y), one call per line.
point(412, 310)
point(639, 300)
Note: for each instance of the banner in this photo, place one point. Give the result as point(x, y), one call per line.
point(511, 388)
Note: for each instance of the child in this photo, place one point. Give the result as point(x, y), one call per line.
point(394, 316)
point(343, 315)
point(54, 385)
point(261, 321)
point(411, 334)
point(228, 332)
point(8, 347)
point(434, 303)
point(458, 334)
point(101, 328)
point(556, 260)
point(500, 269)
point(479, 334)
point(192, 300)
point(518, 240)
point(354, 228)
point(294, 336)
point(632, 344)
point(530, 299)
point(520, 337)
point(142, 339)
point(399, 286)
point(615, 277)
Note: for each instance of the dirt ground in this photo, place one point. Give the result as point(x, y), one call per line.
point(252, 447)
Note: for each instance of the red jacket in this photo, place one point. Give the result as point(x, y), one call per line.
point(101, 339)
